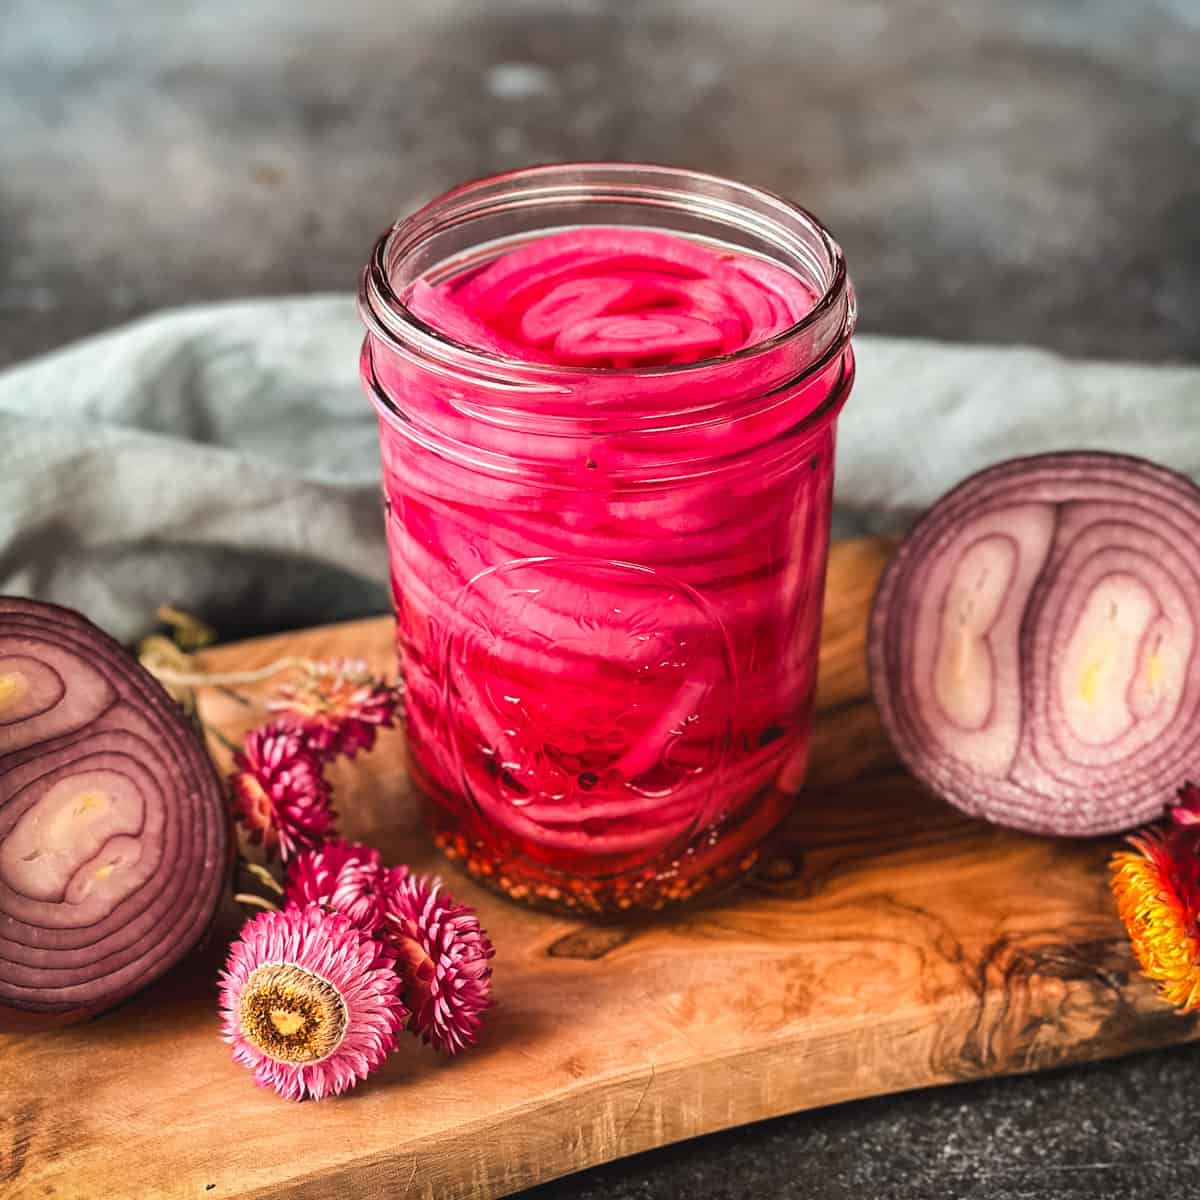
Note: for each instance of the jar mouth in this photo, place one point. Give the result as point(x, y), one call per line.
point(566, 477)
point(796, 236)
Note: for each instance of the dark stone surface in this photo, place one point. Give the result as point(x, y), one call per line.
point(1002, 170)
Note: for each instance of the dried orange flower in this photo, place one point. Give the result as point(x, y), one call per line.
point(1157, 889)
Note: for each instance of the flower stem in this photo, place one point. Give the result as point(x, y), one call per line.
point(254, 901)
point(229, 745)
point(170, 675)
point(263, 876)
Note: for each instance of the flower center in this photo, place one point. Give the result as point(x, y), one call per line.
point(287, 1022)
point(415, 966)
point(292, 1015)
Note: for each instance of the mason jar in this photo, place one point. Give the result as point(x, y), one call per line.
point(608, 580)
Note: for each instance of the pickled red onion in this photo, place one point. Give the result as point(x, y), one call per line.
point(607, 666)
point(615, 298)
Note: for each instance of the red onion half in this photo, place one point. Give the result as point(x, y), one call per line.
point(1035, 644)
point(114, 843)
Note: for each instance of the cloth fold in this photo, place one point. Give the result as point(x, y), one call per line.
point(225, 458)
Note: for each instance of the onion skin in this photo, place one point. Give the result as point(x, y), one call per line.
point(115, 844)
point(1034, 646)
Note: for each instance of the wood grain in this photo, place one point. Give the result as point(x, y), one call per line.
point(888, 943)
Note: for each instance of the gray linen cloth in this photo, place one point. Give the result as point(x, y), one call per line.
point(224, 457)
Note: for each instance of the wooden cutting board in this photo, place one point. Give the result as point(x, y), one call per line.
point(889, 943)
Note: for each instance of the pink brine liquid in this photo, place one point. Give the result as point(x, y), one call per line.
point(609, 590)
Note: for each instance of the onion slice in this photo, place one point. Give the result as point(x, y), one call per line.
point(615, 297)
point(1034, 647)
point(114, 842)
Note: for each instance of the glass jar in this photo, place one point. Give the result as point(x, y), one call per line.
point(608, 582)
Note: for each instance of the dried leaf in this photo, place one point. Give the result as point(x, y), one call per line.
point(189, 631)
point(157, 652)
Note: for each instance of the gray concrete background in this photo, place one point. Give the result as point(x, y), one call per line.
point(996, 170)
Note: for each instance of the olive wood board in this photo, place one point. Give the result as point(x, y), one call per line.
point(887, 943)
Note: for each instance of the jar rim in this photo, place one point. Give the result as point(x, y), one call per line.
point(388, 316)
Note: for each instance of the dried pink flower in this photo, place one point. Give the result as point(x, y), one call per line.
point(344, 876)
point(1186, 809)
point(339, 704)
point(443, 957)
point(280, 794)
point(309, 1003)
